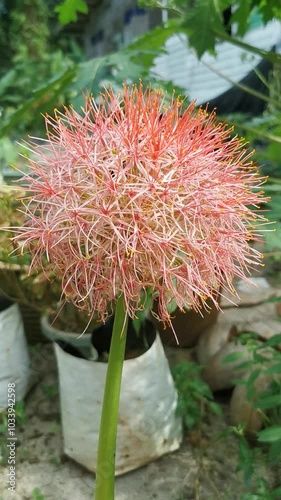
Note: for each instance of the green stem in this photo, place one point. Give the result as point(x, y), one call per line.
point(105, 472)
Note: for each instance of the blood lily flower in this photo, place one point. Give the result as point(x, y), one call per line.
point(136, 192)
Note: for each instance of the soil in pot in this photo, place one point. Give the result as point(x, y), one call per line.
point(4, 303)
point(136, 343)
point(67, 331)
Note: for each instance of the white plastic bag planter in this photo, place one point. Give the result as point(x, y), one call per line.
point(80, 342)
point(148, 426)
point(14, 357)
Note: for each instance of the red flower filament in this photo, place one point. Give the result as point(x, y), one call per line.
point(136, 193)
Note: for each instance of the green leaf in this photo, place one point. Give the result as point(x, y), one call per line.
point(244, 450)
point(253, 376)
point(67, 10)
point(203, 22)
point(241, 16)
point(199, 23)
point(276, 493)
point(155, 39)
point(265, 54)
point(246, 461)
point(85, 79)
point(234, 356)
point(278, 339)
point(146, 48)
point(274, 452)
point(251, 390)
point(270, 435)
point(8, 151)
point(54, 86)
point(7, 80)
point(274, 149)
point(268, 402)
point(215, 408)
point(243, 366)
point(274, 341)
point(171, 306)
point(273, 239)
point(37, 494)
point(269, 9)
point(273, 369)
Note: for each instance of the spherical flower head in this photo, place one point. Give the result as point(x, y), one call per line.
point(137, 192)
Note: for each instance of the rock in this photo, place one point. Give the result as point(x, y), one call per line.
point(278, 309)
point(261, 320)
point(241, 409)
point(214, 338)
point(176, 355)
point(249, 294)
point(219, 375)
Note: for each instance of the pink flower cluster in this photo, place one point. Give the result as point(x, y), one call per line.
point(137, 192)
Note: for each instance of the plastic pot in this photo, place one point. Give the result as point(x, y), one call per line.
point(81, 343)
point(14, 357)
point(148, 426)
point(188, 326)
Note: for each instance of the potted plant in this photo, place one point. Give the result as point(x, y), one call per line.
point(14, 358)
point(138, 193)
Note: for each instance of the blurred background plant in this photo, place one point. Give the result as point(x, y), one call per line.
point(196, 400)
point(35, 70)
point(263, 389)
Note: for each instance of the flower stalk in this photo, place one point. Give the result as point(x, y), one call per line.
point(105, 472)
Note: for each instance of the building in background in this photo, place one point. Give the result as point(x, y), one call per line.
point(115, 24)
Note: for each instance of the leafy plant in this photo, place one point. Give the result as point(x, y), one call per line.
point(19, 416)
point(250, 457)
point(20, 423)
point(265, 361)
point(68, 10)
point(195, 397)
point(204, 21)
point(262, 492)
point(37, 494)
point(50, 390)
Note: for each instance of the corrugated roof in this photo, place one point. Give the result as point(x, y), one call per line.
point(199, 77)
